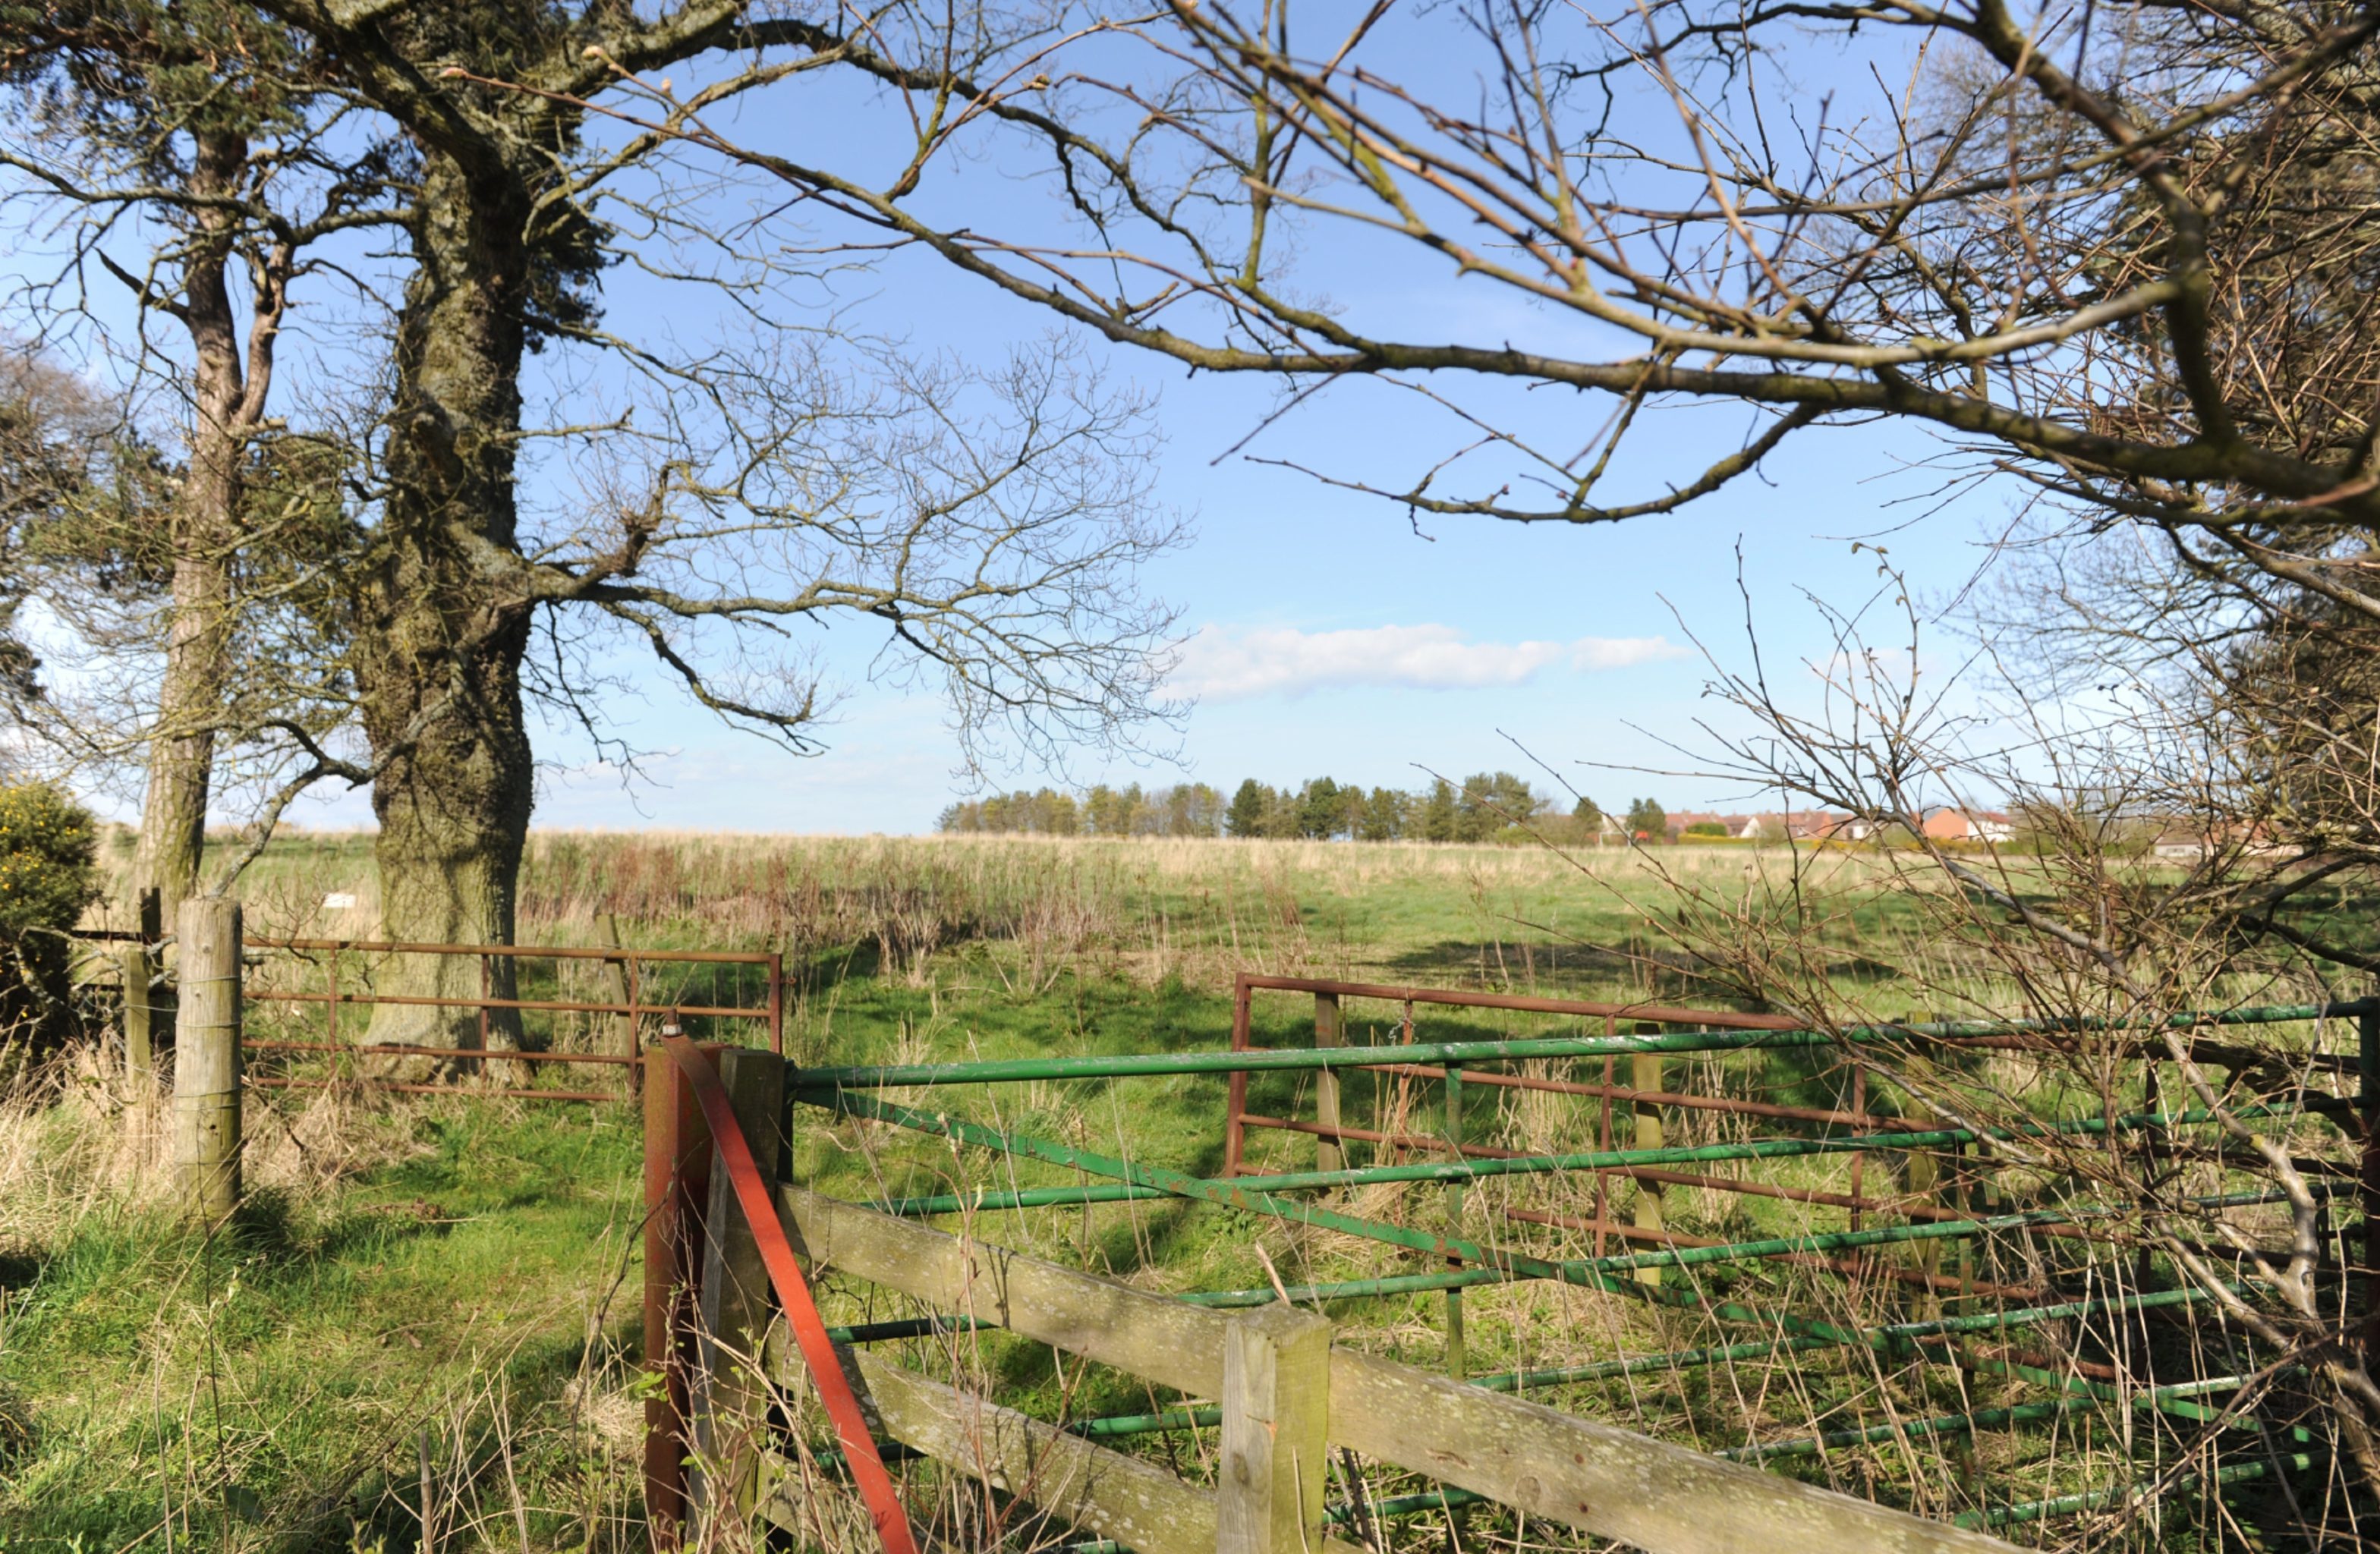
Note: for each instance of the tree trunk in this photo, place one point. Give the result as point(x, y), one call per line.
point(189, 699)
point(182, 750)
point(443, 625)
point(453, 820)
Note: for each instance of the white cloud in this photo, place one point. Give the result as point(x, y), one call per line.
point(1219, 664)
point(1623, 653)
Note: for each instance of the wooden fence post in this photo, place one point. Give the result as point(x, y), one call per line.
point(162, 1000)
point(1921, 1178)
point(1276, 1402)
point(1644, 1074)
point(731, 1391)
point(1330, 1030)
point(134, 963)
point(206, 1059)
point(139, 963)
point(624, 1025)
point(1456, 1360)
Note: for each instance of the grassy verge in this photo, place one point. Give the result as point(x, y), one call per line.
point(443, 1292)
point(442, 1279)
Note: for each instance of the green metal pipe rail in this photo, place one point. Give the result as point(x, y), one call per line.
point(2068, 1505)
point(807, 1082)
point(1893, 1335)
point(1260, 1195)
point(1442, 1171)
point(833, 1090)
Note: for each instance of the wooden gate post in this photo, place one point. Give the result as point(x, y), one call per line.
point(677, 1187)
point(1276, 1404)
point(1330, 1030)
point(206, 1059)
point(1645, 1076)
point(731, 1389)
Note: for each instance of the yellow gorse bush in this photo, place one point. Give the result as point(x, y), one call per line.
point(48, 859)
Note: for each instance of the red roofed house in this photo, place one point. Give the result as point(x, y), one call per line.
point(1969, 825)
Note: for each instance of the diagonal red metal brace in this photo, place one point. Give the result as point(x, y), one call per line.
point(794, 1293)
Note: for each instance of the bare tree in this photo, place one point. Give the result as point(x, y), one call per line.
point(988, 523)
point(2132, 895)
point(2079, 248)
point(203, 138)
point(2117, 255)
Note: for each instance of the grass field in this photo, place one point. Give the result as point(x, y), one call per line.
point(441, 1292)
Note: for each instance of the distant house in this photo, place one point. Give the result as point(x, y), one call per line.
point(1822, 825)
point(2191, 844)
point(1969, 825)
point(1684, 820)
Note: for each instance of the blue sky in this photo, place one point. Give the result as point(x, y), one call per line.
point(1327, 636)
point(1323, 632)
point(1326, 632)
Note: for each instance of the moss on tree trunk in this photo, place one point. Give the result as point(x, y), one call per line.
point(441, 622)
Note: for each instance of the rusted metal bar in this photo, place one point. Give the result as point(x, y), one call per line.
point(531, 952)
point(1603, 1139)
point(1859, 1157)
point(2031, 1036)
point(554, 1006)
point(1650, 1098)
point(1236, 1134)
point(1402, 1107)
point(1849, 1267)
point(1662, 1013)
point(480, 1092)
point(777, 1003)
point(1433, 1142)
point(1640, 1173)
point(635, 1022)
point(2223, 1054)
point(398, 1050)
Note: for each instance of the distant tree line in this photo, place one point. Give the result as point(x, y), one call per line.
point(1184, 809)
point(1486, 806)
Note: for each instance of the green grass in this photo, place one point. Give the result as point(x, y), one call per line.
point(465, 1273)
point(265, 1382)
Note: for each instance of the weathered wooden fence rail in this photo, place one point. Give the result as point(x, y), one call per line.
point(1287, 1394)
